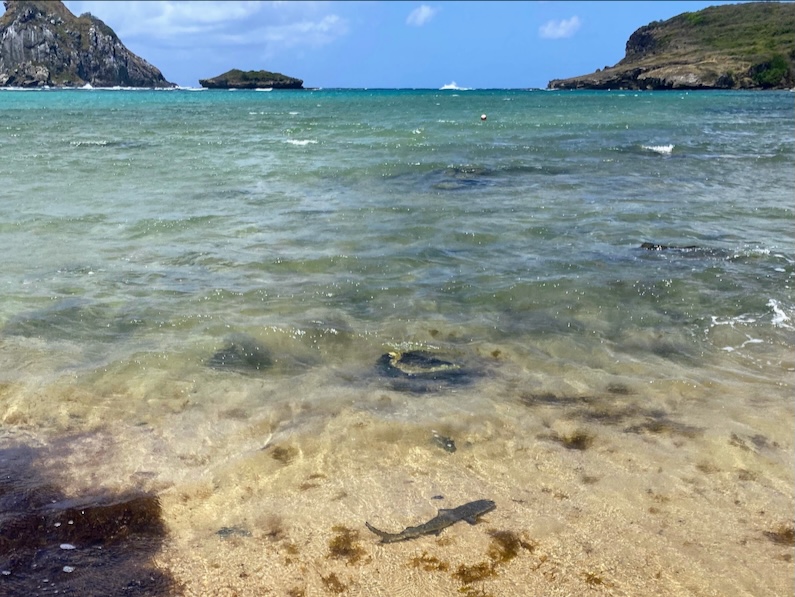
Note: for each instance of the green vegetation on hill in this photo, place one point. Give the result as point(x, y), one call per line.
point(749, 45)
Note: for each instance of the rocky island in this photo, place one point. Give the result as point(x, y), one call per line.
point(251, 79)
point(43, 44)
point(733, 46)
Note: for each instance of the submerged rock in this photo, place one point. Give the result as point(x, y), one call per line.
point(243, 354)
point(688, 250)
point(235, 531)
point(656, 247)
point(421, 371)
point(445, 443)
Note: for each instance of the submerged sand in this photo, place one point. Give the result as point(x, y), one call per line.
point(672, 488)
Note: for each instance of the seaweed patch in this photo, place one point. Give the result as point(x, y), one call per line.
point(429, 563)
point(662, 425)
point(333, 584)
point(105, 541)
point(506, 545)
point(345, 545)
point(577, 440)
point(474, 573)
point(783, 535)
point(283, 455)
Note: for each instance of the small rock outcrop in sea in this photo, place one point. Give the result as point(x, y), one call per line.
point(734, 46)
point(43, 44)
point(251, 79)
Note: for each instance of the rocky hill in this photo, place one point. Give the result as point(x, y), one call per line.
point(733, 46)
point(42, 43)
point(251, 79)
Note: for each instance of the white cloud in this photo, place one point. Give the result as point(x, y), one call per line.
point(421, 15)
point(165, 18)
point(184, 23)
point(303, 33)
point(559, 29)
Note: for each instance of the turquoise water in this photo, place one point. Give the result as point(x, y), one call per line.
point(194, 281)
point(139, 220)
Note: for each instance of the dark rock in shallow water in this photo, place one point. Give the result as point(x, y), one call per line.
point(227, 532)
point(421, 371)
point(656, 247)
point(694, 251)
point(445, 443)
point(242, 354)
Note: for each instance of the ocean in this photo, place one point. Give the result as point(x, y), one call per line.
point(278, 315)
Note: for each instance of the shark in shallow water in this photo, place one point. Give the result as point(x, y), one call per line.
point(469, 512)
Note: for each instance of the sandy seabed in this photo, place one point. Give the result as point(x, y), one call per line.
point(673, 489)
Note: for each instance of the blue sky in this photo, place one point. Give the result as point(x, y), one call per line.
point(382, 44)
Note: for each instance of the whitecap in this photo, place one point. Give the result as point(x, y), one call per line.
point(90, 143)
point(663, 149)
point(732, 321)
point(780, 318)
point(301, 142)
point(452, 86)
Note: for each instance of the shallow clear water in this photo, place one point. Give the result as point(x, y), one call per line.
point(164, 220)
point(153, 241)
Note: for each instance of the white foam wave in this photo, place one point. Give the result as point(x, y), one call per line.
point(301, 142)
point(662, 149)
point(89, 143)
point(732, 321)
point(744, 344)
point(452, 86)
point(780, 318)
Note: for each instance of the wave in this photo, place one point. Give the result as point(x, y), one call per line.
point(88, 143)
point(301, 142)
point(662, 149)
point(453, 87)
point(780, 318)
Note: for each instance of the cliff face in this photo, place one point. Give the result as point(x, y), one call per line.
point(734, 46)
point(42, 43)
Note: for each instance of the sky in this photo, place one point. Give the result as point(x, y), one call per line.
point(424, 44)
